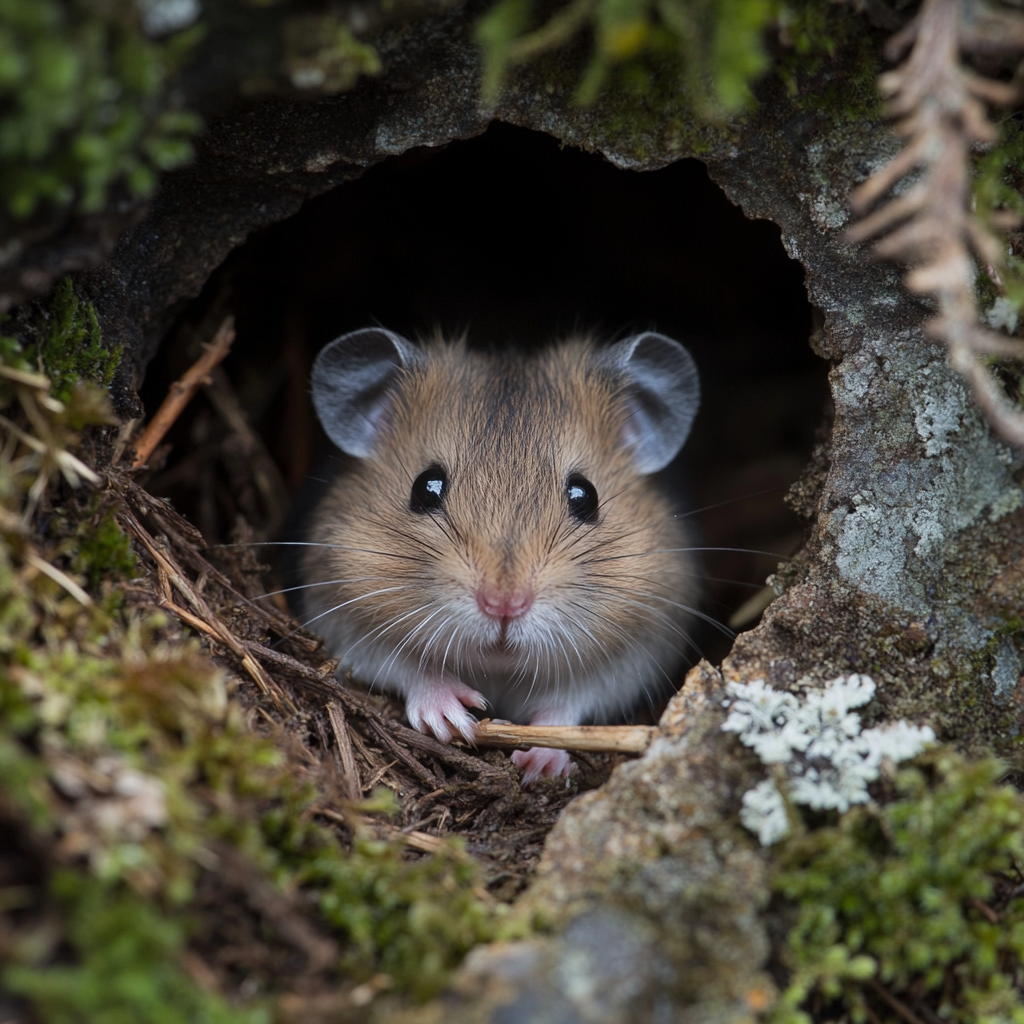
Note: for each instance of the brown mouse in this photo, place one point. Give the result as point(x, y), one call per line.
point(498, 539)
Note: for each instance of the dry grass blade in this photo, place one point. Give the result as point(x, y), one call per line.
point(940, 103)
point(202, 617)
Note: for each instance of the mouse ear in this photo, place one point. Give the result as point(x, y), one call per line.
point(350, 382)
point(663, 393)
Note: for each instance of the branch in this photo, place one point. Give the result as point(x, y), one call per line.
point(182, 391)
point(617, 739)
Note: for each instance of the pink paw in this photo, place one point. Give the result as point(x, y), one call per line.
point(439, 705)
point(538, 761)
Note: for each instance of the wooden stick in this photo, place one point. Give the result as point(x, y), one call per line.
point(620, 739)
point(351, 783)
point(182, 391)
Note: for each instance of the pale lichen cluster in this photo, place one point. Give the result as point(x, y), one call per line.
point(827, 759)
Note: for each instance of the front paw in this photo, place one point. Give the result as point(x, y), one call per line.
point(439, 705)
point(538, 761)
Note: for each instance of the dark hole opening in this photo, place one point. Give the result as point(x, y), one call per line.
point(518, 241)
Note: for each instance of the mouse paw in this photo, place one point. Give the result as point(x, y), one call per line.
point(538, 761)
point(439, 705)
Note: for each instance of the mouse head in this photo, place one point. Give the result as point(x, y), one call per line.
point(514, 491)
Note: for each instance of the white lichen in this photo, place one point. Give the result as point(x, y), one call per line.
point(826, 758)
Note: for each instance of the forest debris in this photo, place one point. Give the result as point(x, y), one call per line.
point(351, 785)
point(203, 619)
point(612, 739)
point(182, 390)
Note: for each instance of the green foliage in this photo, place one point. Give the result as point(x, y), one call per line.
point(64, 343)
point(896, 896)
point(415, 921)
point(126, 969)
point(102, 551)
point(68, 344)
point(81, 104)
point(719, 43)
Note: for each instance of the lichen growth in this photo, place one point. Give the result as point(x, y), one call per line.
point(84, 109)
point(914, 898)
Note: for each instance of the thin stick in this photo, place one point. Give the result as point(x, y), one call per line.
point(620, 739)
point(204, 619)
point(424, 842)
point(182, 391)
point(351, 783)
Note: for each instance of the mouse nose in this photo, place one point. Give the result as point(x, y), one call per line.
point(497, 604)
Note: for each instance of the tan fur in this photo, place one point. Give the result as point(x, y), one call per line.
point(606, 626)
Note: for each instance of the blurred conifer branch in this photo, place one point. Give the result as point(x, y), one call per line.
point(940, 104)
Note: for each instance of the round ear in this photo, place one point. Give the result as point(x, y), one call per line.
point(663, 394)
point(351, 381)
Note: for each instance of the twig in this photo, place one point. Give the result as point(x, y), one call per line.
point(182, 391)
point(424, 842)
point(620, 739)
point(351, 784)
point(894, 1004)
point(421, 772)
point(202, 616)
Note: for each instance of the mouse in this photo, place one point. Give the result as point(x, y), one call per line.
point(499, 537)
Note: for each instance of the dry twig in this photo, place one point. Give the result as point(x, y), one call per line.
point(182, 391)
point(612, 739)
point(940, 104)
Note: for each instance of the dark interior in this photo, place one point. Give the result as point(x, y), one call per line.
point(517, 240)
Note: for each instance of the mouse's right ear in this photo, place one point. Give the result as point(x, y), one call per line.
point(351, 380)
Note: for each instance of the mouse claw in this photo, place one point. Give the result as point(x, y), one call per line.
point(538, 761)
point(439, 706)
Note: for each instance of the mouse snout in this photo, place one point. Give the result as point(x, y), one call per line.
point(503, 604)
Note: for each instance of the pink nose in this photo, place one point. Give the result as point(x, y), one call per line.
point(498, 605)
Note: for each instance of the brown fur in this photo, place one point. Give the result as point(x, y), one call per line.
point(606, 625)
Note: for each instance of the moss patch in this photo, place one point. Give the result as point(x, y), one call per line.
point(914, 902)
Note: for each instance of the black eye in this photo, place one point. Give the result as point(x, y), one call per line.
point(582, 495)
point(429, 489)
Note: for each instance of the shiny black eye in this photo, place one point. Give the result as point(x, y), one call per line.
point(582, 497)
point(429, 489)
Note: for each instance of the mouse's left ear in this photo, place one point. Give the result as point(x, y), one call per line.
point(662, 391)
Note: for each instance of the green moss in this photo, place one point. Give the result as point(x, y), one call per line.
point(132, 743)
point(897, 896)
point(126, 969)
point(102, 550)
point(68, 344)
point(81, 95)
point(718, 43)
point(63, 342)
point(829, 61)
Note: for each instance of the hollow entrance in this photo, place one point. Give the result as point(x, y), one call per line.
point(517, 241)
